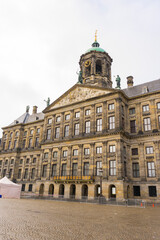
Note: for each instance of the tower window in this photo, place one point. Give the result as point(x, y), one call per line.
point(98, 67)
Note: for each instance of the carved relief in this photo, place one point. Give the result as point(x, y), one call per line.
point(79, 94)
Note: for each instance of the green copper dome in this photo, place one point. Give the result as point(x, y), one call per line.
point(95, 47)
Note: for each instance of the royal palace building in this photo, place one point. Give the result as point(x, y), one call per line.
point(94, 139)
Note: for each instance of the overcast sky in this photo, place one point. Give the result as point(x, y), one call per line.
point(41, 43)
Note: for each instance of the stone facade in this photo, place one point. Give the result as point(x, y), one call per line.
point(91, 127)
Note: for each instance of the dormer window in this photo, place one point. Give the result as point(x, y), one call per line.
point(145, 89)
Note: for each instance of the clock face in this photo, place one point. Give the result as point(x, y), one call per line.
point(87, 63)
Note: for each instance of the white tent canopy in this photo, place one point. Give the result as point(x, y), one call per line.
point(8, 189)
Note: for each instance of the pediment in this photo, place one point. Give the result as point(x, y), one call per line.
point(78, 93)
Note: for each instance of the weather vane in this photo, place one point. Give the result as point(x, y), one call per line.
point(96, 36)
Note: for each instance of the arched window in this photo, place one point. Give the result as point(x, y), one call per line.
point(98, 67)
point(84, 191)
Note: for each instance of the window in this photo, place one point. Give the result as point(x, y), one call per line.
point(58, 119)
point(57, 132)
point(98, 167)
point(149, 150)
point(132, 111)
point(122, 109)
point(134, 151)
point(25, 133)
point(125, 169)
point(158, 106)
point(6, 162)
point(152, 191)
point(145, 108)
point(67, 117)
point(99, 125)
point(99, 110)
point(123, 124)
point(136, 191)
point(4, 144)
point(21, 161)
point(54, 170)
point(112, 168)
point(16, 134)
point(133, 126)
point(44, 171)
point(19, 173)
point(76, 129)
point(27, 160)
point(23, 187)
point(33, 173)
point(55, 154)
point(31, 132)
point(66, 131)
point(77, 114)
point(86, 169)
point(159, 120)
point(135, 168)
point(30, 143)
point(65, 153)
point(87, 127)
point(37, 141)
point(30, 187)
point(151, 169)
point(9, 145)
point(111, 121)
point(15, 144)
point(38, 130)
point(12, 161)
point(26, 173)
point(24, 143)
point(87, 112)
point(64, 172)
point(4, 172)
point(86, 151)
point(48, 136)
point(75, 152)
point(147, 124)
point(1, 163)
point(11, 134)
point(49, 120)
point(112, 148)
point(111, 106)
point(46, 155)
point(74, 169)
point(5, 136)
point(34, 160)
point(10, 173)
point(98, 150)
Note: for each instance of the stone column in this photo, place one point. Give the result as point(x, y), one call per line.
point(69, 161)
point(119, 160)
point(80, 160)
point(40, 166)
point(118, 117)
point(154, 124)
point(104, 117)
point(61, 126)
point(157, 158)
point(71, 129)
point(23, 168)
point(30, 169)
point(105, 161)
point(49, 164)
point(59, 161)
point(142, 162)
point(92, 160)
point(139, 121)
point(81, 123)
point(37, 166)
point(53, 127)
point(92, 119)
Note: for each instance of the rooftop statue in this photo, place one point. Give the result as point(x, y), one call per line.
point(47, 101)
point(118, 80)
point(80, 77)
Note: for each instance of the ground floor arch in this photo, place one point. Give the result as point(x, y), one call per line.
point(84, 191)
point(72, 191)
point(97, 190)
point(61, 190)
point(51, 189)
point(41, 189)
point(112, 191)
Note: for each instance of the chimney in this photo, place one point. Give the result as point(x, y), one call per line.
point(34, 109)
point(27, 109)
point(130, 81)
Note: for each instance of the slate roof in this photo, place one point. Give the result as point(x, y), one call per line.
point(27, 118)
point(140, 89)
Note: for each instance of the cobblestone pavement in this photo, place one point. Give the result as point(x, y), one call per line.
point(42, 219)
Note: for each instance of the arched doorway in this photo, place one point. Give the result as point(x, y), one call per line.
point(61, 190)
point(84, 191)
point(72, 191)
point(51, 189)
point(41, 189)
point(112, 191)
point(97, 191)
